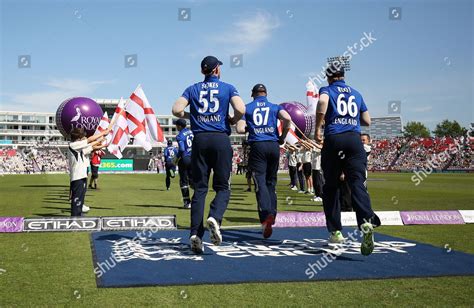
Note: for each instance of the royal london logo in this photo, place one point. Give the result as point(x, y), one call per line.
point(85, 122)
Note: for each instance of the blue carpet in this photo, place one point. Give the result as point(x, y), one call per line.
point(121, 259)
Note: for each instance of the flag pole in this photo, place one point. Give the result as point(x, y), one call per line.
point(306, 139)
point(114, 118)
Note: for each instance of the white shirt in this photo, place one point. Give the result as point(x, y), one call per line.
point(367, 149)
point(299, 157)
point(316, 161)
point(307, 156)
point(78, 155)
point(292, 159)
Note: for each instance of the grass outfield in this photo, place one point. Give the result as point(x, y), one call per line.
point(56, 268)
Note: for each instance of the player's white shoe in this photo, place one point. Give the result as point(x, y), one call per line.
point(85, 208)
point(215, 230)
point(294, 188)
point(196, 244)
point(317, 199)
point(367, 245)
point(336, 237)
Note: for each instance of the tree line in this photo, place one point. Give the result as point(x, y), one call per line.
point(446, 128)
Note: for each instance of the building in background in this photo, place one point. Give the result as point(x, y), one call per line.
point(28, 128)
point(25, 128)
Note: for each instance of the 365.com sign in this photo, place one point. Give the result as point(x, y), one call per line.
point(116, 165)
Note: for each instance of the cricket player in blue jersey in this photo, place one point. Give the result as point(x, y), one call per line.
point(209, 102)
point(169, 156)
point(342, 110)
point(261, 122)
point(185, 143)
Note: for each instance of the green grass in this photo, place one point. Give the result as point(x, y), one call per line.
point(49, 269)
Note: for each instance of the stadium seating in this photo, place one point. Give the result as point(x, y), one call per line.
point(397, 154)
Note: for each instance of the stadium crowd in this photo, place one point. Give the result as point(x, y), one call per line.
point(35, 159)
point(413, 153)
point(397, 154)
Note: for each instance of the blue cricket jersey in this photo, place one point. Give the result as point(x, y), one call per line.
point(209, 105)
point(344, 108)
point(169, 153)
point(185, 142)
point(262, 120)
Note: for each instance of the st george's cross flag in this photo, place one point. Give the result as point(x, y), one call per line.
point(142, 123)
point(103, 125)
point(120, 131)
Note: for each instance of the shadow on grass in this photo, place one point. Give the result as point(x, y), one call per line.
point(179, 207)
point(69, 210)
point(153, 189)
point(44, 186)
point(240, 210)
point(51, 215)
point(56, 200)
point(239, 192)
point(237, 199)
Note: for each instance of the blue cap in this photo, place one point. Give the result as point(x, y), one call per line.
point(335, 69)
point(209, 63)
point(258, 88)
point(180, 122)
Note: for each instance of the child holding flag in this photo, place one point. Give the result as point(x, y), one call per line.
point(79, 149)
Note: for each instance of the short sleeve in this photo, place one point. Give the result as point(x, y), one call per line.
point(79, 145)
point(233, 91)
point(87, 150)
point(324, 90)
point(187, 93)
point(363, 107)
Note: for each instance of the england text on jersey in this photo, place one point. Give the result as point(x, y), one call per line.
point(209, 118)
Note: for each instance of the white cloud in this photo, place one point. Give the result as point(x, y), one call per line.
point(422, 109)
point(57, 90)
point(249, 33)
point(75, 85)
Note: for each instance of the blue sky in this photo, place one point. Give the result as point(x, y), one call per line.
point(77, 48)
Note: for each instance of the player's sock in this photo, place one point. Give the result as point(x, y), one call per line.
point(187, 202)
point(185, 193)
